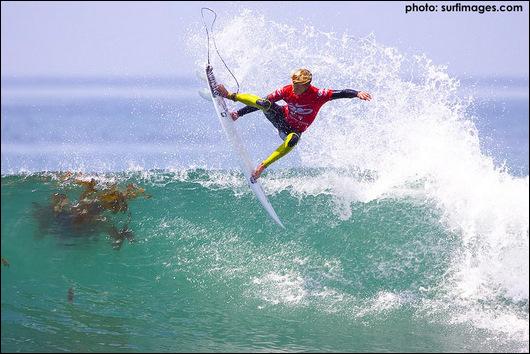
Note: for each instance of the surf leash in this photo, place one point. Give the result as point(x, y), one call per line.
point(214, 44)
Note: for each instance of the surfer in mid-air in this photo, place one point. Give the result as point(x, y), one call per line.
point(303, 103)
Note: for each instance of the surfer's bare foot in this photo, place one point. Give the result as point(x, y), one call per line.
point(234, 115)
point(257, 172)
point(222, 91)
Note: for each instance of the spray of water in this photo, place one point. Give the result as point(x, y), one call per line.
point(415, 132)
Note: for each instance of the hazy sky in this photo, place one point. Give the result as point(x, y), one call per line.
point(148, 38)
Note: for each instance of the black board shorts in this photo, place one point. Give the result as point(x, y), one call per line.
point(276, 116)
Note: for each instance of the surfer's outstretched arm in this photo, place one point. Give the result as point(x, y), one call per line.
point(348, 93)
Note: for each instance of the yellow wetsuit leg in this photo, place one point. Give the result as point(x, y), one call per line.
point(252, 100)
point(288, 144)
point(257, 102)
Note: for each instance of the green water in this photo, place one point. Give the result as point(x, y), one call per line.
point(208, 271)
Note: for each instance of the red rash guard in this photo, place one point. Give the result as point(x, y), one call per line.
point(301, 110)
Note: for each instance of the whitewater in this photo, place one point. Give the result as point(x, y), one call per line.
point(403, 232)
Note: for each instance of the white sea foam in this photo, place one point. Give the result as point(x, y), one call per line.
point(414, 131)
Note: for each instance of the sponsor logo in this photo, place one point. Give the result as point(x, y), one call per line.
point(300, 109)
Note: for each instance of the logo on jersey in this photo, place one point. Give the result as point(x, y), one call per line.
point(299, 109)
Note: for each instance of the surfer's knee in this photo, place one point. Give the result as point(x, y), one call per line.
point(265, 104)
point(292, 139)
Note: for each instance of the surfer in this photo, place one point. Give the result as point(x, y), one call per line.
point(303, 103)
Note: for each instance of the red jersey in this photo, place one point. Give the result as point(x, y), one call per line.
point(301, 110)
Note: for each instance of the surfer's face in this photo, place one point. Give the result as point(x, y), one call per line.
point(300, 88)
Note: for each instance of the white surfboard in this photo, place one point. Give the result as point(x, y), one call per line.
point(231, 133)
